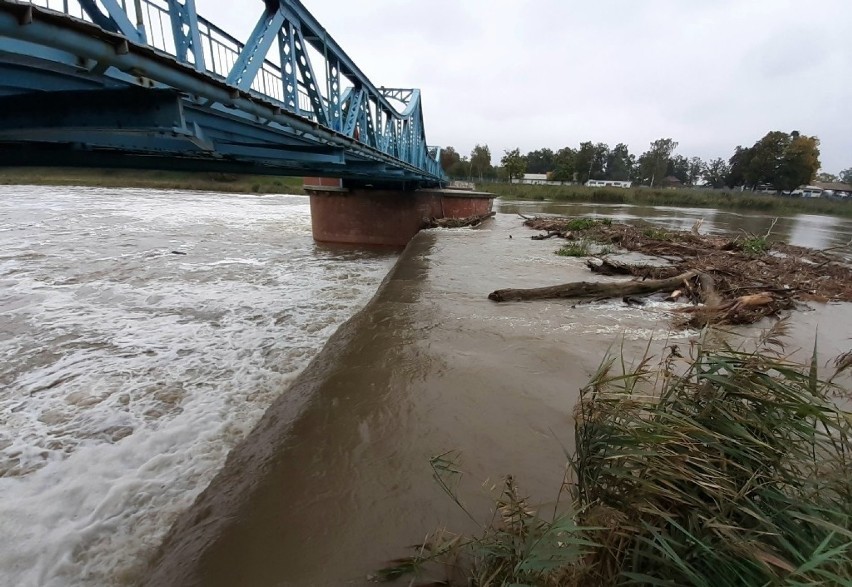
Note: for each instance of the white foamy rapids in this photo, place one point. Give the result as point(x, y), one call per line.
point(129, 371)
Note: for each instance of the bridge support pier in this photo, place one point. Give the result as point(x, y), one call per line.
point(365, 216)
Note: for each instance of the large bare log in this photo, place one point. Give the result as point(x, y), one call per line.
point(604, 266)
point(551, 234)
point(586, 289)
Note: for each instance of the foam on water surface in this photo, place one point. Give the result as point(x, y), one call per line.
point(142, 334)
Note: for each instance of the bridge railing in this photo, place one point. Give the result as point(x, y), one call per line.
point(220, 49)
point(336, 95)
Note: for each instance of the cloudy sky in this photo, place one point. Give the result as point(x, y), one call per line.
point(712, 74)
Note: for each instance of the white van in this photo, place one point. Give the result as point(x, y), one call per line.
point(808, 191)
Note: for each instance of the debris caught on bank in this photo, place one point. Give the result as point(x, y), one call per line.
point(471, 221)
point(729, 280)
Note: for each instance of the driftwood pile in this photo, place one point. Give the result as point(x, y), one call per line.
point(729, 280)
point(471, 221)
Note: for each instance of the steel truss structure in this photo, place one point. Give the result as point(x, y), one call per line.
point(151, 83)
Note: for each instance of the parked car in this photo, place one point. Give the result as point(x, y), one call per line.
point(807, 191)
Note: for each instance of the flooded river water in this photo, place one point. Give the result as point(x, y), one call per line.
point(429, 366)
point(130, 372)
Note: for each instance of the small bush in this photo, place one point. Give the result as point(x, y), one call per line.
point(754, 245)
point(574, 249)
point(577, 224)
point(657, 234)
point(580, 224)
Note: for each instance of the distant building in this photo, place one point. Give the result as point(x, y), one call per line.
point(670, 181)
point(833, 189)
point(608, 183)
point(534, 178)
point(538, 179)
point(461, 185)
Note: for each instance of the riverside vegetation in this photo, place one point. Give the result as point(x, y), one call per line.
point(693, 198)
point(724, 467)
point(782, 160)
point(174, 180)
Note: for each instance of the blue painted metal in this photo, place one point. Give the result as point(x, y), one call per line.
point(185, 30)
point(115, 20)
point(254, 52)
point(230, 104)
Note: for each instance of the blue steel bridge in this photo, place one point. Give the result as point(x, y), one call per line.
point(152, 84)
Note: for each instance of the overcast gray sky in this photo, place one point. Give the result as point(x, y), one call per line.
point(711, 74)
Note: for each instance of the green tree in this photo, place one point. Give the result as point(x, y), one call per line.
point(654, 162)
point(480, 161)
point(590, 161)
point(619, 163)
point(514, 164)
point(846, 176)
point(449, 157)
point(564, 164)
point(827, 177)
point(716, 173)
point(679, 168)
point(460, 169)
point(541, 161)
point(799, 164)
point(783, 160)
point(766, 157)
point(738, 163)
point(565, 156)
point(696, 170)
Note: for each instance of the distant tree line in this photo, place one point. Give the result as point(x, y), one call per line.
point(780, 160)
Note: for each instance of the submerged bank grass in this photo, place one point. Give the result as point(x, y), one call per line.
point(697, 198)
point(731, 469)
point(176, 180)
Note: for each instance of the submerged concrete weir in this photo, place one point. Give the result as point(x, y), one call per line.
point(366, 216)
point(259, 468)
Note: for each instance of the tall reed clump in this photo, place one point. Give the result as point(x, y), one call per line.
point(731, 470)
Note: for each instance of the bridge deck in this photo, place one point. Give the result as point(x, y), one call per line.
point(93, 91)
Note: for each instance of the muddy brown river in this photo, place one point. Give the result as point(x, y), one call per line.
point(327, 495)
point(147, 333)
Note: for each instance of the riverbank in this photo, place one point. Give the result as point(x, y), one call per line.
point(154, 179)
point(692, 198)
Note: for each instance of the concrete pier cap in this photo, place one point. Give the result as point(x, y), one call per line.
point(366, 216)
